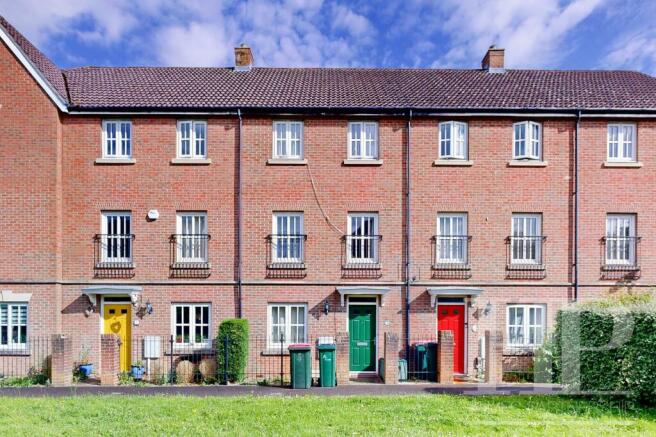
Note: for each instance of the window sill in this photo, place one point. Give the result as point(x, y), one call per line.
point(519, 351)
point(275, 351)
point(277, 161)
point(179, 349)
point(452, 163)
point(613, 164)
point(115, 161)
point(363, 162)
point(527, 163)
point(190, 161)
point(15, 352)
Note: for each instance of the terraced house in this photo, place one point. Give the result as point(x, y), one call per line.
point(318, 202)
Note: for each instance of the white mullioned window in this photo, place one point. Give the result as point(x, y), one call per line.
point(287, 241)
point(287, 322)
point(116, 237)
point(526, 325)
point(192, 237)
point(362, 238)
point(13, 325)
point(363, 140)
point(288, 139)
point(452, 238)
point(453, 140)
point(527, 140)
point(190, 324)
point(192, 139)
point(116, 139)
point(620, 239)
point(621, 142)
point(526, 239)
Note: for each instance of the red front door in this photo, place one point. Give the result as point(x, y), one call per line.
point(452, 318)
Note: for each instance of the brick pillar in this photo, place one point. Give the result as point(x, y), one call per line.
point(109, 359)
point(342, 365)
point(391, 354)
point(61, 366)
point(445, 357)
point(493, 357)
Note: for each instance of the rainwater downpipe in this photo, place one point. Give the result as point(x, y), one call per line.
point(408, 239)
point(238, 217)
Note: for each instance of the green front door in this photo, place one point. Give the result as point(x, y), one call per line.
point(362, 333)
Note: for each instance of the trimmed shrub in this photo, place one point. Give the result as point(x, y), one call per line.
point(617, 352)
point(236, 331)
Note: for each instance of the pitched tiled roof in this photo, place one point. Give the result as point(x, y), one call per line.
point(348, 88)
point(46, 67)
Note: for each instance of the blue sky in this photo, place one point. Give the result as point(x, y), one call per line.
point(578, 34)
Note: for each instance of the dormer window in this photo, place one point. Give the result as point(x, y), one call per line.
point(527, 141)
point(453, 140)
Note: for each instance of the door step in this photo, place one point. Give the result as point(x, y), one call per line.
point(373, 379)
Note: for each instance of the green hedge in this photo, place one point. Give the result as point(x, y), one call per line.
point(617, 352)
point(236, 330)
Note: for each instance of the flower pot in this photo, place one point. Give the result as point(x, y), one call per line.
point(137, 372)
point(86, 369)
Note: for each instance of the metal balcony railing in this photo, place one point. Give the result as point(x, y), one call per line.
point(361, 251)
point(113, 251)
point(620, 253)
point(190, 251)
point(451, 252)
point(525, 252)
point(286, 251)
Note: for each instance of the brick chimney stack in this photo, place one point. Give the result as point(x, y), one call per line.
point(493, 60)
point(243, 58)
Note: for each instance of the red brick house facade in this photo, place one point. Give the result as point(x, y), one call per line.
point(485, 198)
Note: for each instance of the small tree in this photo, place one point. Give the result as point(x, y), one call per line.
point(232, 343)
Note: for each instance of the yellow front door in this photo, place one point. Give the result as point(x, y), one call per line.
point(117, 321)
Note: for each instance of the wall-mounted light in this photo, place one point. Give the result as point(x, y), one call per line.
point(149, 308)
point(326, 307)
point(488, 308)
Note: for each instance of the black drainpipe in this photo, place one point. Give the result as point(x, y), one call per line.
point(576, 209)
point(238, 215)
point(407, 241)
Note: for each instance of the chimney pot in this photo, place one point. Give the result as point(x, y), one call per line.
point(243, 58)
point(493, 61)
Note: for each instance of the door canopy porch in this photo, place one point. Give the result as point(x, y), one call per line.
point(436, 292)
point(93, 291)
point(362, 291)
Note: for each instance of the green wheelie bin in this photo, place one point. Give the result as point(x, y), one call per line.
point(327, 376)
point(301, 365)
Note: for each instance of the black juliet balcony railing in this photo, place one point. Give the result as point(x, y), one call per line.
point(525, 256)
point(361, 256)
point(286, 252)
point(190, 255)
point(113, 255)
point(450, 256)
point(620, 257)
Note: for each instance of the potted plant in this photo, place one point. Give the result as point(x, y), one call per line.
point(84, 366)
point(138, 370)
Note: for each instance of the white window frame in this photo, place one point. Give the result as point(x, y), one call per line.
point(373, 240)
point(192, 325)
point(361, 142)
point(618, 245)
point(289, 241)
point(455, 146)
point(123, 146)
point(621, 149)
point(274, 343)
point(526, 325)
point(532, 141)
point(453, 243)
point(122, 239)
point(21, 307)
point(192, 242)
point(286, 142)
point(524, 241)
point(195, 142)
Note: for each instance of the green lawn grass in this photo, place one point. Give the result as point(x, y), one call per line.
point(394, 415)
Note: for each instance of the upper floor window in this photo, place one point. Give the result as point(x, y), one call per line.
point(287, 324)
point(191, 237)
point(192, 139)
point(621, 142)
point(526, 239)
point(526, 325)
point(288, 140)
point(453, 140)
point(527, 140)
point(362, 238)
point(620, 239)
point(287, 238)
point(191, 324)
point(452, 238)
point(116, 238)
point(13, 325)
point(117, 139)
point(362, 140)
